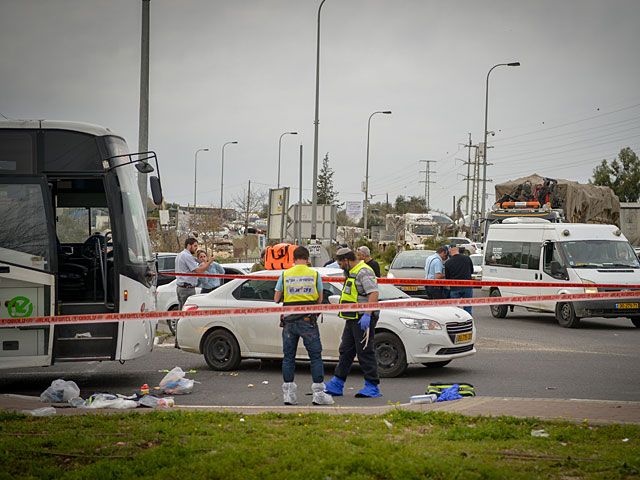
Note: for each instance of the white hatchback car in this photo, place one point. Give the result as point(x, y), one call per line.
point(167, 298)
point(432, 336)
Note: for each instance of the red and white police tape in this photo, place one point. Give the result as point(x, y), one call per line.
point(279, 310)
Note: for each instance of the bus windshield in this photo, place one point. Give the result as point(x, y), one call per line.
point(139, 246)
point(600, 254)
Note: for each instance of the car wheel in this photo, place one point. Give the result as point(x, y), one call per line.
point(221, 350)
point(437, 364)
point(498, 311)
point(390, 355)
point(172, 323)
point(566, 315)
point(635, 321)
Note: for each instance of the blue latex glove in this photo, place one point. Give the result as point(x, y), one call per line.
point(365, 321)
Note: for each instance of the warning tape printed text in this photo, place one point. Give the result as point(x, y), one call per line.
point(416, 281)
point(118, 317)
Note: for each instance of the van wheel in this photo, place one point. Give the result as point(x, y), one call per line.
point(635, 321)
point(221, 350)
point(566, 315)
point(498, 311)
point(390, 355)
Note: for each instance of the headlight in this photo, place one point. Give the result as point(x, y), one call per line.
point(590, 289)
point(421, 324)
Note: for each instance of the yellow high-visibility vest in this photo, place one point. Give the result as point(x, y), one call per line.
point(350, 292)
point(300, 285)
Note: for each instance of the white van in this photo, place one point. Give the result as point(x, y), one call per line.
point(562, 252)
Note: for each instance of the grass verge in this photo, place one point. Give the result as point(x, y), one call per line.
point(397, 445)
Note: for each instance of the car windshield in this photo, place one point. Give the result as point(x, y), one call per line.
point(412, 259)
point(600, 254)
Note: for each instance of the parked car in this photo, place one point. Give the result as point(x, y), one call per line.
point(166, 263)
point(167, 298)
point(478, 260)
point(432, 336)
point(410, 264)
point(463, 242)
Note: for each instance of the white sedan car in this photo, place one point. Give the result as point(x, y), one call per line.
point(432, 336)
point(167, 297)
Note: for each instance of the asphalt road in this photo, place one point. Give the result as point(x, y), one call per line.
point(524, 355)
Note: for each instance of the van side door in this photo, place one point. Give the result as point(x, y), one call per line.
point(552, 270)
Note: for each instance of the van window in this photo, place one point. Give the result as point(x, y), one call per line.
point(524, 255)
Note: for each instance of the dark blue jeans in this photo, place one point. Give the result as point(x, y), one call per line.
point(462, 292)
point(308, 331)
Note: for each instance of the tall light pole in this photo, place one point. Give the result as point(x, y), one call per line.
point(316, 122)
point(143, 122)
point(366, 176)
point(484, 156)
point(280, 150)
point(222, 173)
point(195, 176)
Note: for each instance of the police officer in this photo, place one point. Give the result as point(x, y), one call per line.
point(300, 285)
point(360, 286)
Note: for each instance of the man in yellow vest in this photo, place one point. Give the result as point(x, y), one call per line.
point(300, 285)
point(360, 286)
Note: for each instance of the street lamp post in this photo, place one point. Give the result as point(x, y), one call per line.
point(366, 176)
point(280, 150)
point(222, 173)
point(316, 122)
point(486, 113)
point(195, 176)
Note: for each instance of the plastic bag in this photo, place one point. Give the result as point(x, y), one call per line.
point(60, 391)
point(154, 402)
point(174, 382)
point(41, 412)
point(107, 400)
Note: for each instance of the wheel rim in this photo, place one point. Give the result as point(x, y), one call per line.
point(495, 309)
point(387, 355)
point(565, 312)
point(220, 350)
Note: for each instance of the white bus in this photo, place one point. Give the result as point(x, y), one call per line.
point(73, 240)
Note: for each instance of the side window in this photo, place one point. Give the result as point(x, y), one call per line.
point(256, 290)
point(553, 264)
point(327, 291)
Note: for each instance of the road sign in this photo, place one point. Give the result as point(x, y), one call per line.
point(314, 250)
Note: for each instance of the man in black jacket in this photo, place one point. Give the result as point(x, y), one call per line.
point(459, 267)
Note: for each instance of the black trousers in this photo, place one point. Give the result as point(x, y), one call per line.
point(351, 345)
point(435, 292)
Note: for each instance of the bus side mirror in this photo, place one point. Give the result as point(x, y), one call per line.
point(156, 190)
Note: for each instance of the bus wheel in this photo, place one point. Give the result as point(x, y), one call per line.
point(566, 315)
point(635, 321)
point(392, 360)
point(498, 311)
point(221, 350)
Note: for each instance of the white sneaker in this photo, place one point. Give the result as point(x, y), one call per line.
point(289, 391)
point(320, 397)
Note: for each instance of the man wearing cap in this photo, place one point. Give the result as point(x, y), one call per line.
point(360, 286)
point(364, 254)
point(434, 269)
point(459, 267)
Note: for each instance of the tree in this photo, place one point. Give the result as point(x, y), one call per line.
point(326, 194)
point(622, 175)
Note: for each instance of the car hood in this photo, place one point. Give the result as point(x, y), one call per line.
point(440, 314)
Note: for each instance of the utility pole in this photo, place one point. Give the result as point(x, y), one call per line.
point(143, 120)
point(469, 145)
point(427, 171)
point(246, 222)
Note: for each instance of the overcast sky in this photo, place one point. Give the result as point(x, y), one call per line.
point(244, 70)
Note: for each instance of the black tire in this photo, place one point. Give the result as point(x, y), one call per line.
point(566, 315)
point(172, 322)
point(635, 321)
point(498, 311)
point(221, 350)
point(437, 364)
point(390, 355)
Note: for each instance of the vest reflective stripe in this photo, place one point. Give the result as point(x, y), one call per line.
point(300, 284)
point(350, 292)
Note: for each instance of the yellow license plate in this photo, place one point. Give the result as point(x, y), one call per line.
point(626, 305)
point(410, 289)
point(463, 337)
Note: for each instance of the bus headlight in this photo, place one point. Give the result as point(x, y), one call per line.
point(421, 324)
point(590, 289)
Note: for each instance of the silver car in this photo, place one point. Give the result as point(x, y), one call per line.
point(410, 264)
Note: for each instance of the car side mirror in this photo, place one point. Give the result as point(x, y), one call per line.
point(334, 299)
point(386, 267)
point(156, 190)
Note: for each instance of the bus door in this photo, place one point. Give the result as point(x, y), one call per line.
point(27, 281)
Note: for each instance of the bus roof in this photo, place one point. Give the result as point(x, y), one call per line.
point(88, 128)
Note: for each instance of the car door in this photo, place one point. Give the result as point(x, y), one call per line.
point(330, 325)
point(261, 333)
